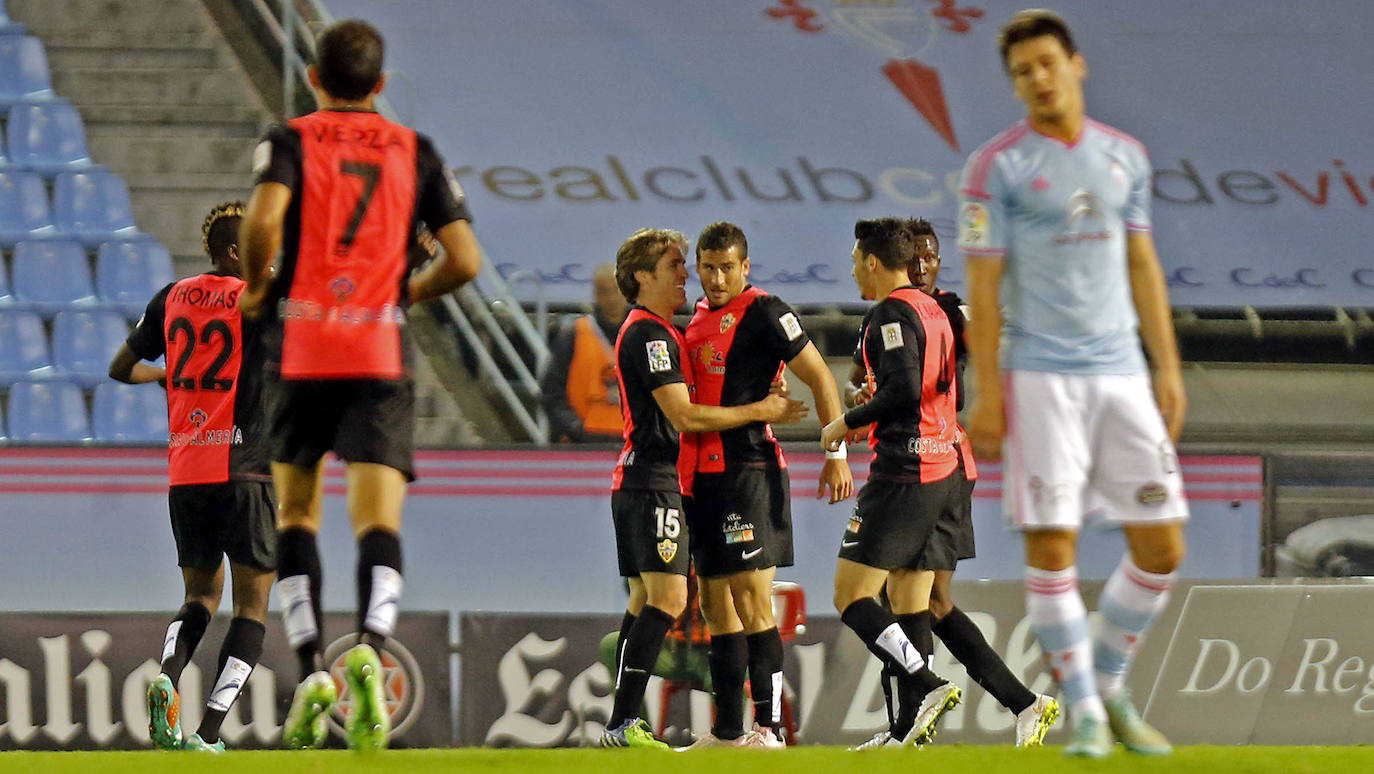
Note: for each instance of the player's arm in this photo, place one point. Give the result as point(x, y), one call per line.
point(987, 423)
point(810, 367)
point(260, 236)
point(458, 265)
point(688, 417)
point(1150, 294)
point(900, 369)
point(129, 368)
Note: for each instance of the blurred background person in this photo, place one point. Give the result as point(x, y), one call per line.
point(579, 390)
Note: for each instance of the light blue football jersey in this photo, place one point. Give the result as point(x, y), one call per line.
point(1057, 215)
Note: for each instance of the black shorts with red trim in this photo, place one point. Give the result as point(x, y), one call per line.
point(360, 420)
point(895, 525)
point(651, 532)
point(741, 520)
point(237, 519)
point(962, 524)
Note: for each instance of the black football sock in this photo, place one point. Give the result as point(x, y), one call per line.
point(889, 682)
point(626, 623)
point(237, 656)
point(729, 660)
point(300, 583)
point(765, 677)
point(379, 585)
point(917, 628)
point(183, 635)
point(640, 653)
point(967, 644)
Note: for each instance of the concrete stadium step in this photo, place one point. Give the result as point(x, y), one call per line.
point(110, 58)
point(42, 16)
point(175, 154)
point(193, 117)
point(152, 86)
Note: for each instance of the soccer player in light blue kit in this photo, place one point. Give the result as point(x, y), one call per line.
point(1054, 219)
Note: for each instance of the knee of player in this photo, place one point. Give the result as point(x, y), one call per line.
point(940, 604)
point(844, 597)
point(1161, 559)
point(670, 601)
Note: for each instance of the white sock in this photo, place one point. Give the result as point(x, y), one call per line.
point(385, 600)
point(230, 682)
point(1130, 602)
point(1060, 621)
point(894, 641)
point(297, 613)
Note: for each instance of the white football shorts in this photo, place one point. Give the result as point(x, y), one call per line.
point(1086, 446)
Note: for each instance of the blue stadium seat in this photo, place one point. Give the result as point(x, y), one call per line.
point(9, 26)
point(23, 70)
point(130, 413)
point(127, 274)
point(51, 411)
point(23, 208)
point(84, 342)
point(94, 207)
point(23, 347)
point(47, 137)
point(52, 275)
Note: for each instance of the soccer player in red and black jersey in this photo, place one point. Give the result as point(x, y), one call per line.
point(965, 641)
point(221, 491)
point(912, 487)
point(651, 538)
point(341, 191)
point(739, 341)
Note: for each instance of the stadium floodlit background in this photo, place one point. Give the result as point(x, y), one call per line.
point(572, 123)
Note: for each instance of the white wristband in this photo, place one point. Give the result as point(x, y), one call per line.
point(838, 454)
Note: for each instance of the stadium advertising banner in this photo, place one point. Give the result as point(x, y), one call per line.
point(1242, 664)
point(78, 681)
point(569, 125)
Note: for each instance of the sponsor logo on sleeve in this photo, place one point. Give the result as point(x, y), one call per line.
point(659, 359)
point(262, 156)
point(973, 226)
point(790, 326)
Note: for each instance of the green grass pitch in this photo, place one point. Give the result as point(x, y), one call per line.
point(800, 760)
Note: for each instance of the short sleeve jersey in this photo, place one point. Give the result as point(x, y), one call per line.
point(648, 355)
point(736, 351)
point(359, 186)
point(908, 349)
point(1057, 215)
point(215, 412)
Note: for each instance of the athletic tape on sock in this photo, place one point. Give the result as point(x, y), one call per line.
point(297, 614)
point(385, 600)
point(169, 644)
point(230, 682)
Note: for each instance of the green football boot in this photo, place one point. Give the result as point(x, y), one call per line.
point(633, 733)
point(368, 723)
point(305, 727)
point(195, 744)
point(1089, 738)
point(164, 714)
point(1132, 730)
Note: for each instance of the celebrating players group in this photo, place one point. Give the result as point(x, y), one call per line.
point(270, 367)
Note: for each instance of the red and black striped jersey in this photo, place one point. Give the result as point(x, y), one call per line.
point(648, 355)
point(215, 411)
point(736, 351)
point(908, 349)
point(359, 184)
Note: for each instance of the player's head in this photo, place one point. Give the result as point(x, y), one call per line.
point(924, 267)
point(1043, 62)
point(219, 235)
point(348, 61)
point(881, 246)
point(651, 268)
point(606, 299)
point(722, 262)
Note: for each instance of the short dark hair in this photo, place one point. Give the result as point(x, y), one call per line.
point(641, 253)
point(722, 236)
point(220, 230)
point(348, 58)
point(1034, 23)
point(919, 227)
point(887, 238)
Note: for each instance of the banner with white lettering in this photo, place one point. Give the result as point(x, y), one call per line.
point(1256, 663)
point(78, 681)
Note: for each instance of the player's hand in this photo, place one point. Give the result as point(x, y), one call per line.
point(1172, 400)
point(832, 435)
point(986, 428)
point(782, 411)
point(251, 301)
point(857, 395)
point(779, 387)
point(835, 475)
point(858, 434)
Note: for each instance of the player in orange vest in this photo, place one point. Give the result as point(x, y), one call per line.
point(579, 389)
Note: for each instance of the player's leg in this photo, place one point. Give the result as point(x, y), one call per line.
point(299, 493)
point(923, 697)
point(752, 593)
point(203, 588)
point(240, 651)
point(1138, 481)
point(376, 496)
point(728, 657)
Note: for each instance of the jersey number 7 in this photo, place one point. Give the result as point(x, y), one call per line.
point(371, 174)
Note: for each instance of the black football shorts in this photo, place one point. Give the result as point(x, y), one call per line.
point(234, 518)
point(741, 520)
point(360, 420)
point(651, 533)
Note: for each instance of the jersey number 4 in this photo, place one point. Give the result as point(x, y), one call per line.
point(210, 380)
point(371, 175)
